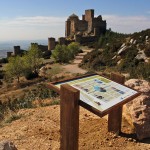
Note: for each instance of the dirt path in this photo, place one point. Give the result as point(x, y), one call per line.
point(39, 129)
point(74, 68)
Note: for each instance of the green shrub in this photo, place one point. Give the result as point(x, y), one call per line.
point(147, 51)
point(3, 60)
point(41, 92)
point(46, 54)
point(141, 71)
point(2, 74)
point(30, 75)
point(63, 53)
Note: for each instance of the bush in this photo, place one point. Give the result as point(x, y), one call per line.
point(63, 53)
point(4, 60)
point(141, 71)
point(147, 51)
point(47, 54)
point(40, 93)
point(31, 75)
point(1, 74)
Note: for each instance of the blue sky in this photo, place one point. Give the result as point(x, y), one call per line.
point(40, 19)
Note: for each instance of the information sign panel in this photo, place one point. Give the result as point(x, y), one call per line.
point(99, 92)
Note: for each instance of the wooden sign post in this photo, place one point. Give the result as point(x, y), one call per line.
point(69, 117)
point(115, 115)
point(95, 93)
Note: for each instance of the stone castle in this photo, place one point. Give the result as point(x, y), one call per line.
point(89, 25)
point(82, 31)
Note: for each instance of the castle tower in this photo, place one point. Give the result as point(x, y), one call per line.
point(51, 43)
point(89, 14)
point(9, 54)
point(17, 50)
point(71, 25)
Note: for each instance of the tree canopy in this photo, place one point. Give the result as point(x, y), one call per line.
point(32, 59)
point(15, 67)
point(64, 54)
point(27, 65)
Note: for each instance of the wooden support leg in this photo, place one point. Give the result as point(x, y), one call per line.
point(115, 120)
point(115, 116)
point(69, 117)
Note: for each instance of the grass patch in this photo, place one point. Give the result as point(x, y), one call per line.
point(40, 92)
point(55, 102)
point(55, 69)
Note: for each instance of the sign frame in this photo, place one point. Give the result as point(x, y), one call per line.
point(52, 85)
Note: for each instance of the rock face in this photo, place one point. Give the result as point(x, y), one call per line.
point(7, 145)
point(139, 108)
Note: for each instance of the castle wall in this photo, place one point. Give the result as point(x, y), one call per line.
point(85, 39)
point(82, 25)
point(43, 48)
point(73, 28)
point(99, 25)
point(83, 17)
point(62, 41)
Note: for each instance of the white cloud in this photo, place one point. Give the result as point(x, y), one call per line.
point(42, 27)
point(26, 28)
point(37, 20)
point(127, 24)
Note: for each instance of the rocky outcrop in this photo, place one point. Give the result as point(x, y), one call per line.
point(139, 108)
point(7, 145)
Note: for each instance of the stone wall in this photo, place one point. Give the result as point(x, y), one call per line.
point(62, 41)
point(85, 39)
point(82, 26)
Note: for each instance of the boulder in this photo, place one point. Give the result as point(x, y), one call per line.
point(122, 50)
point(139, 108)
point(7, 145)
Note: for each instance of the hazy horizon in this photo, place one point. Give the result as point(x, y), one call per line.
point(24, 44)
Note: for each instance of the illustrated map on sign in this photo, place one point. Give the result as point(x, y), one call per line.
point(99, 92)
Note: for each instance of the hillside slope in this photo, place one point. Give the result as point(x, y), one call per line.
point(38, 129)
point(123, 53)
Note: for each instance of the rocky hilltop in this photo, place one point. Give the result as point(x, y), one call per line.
point(125, 53)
